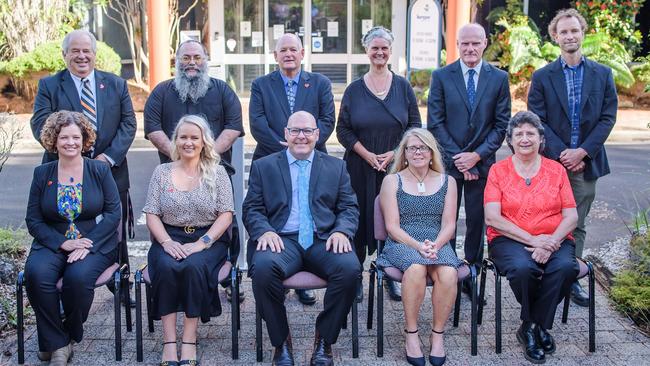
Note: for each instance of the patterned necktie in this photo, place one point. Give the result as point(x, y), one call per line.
point(471, 89)
point(88, 103)
point(291, 96)
point(306, 228)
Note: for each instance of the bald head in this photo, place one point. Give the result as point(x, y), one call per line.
point(301, 134)
point(471, 43)
point(302, 118)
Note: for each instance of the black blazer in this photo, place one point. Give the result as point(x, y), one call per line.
point(267, 205)
point(458, 128)
point(549, 100)
point(268, 109)
point(116, 124)
point(99, 197)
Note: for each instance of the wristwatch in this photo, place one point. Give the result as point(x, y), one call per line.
point(207, 240)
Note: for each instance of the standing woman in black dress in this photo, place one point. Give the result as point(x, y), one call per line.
point(375, 112)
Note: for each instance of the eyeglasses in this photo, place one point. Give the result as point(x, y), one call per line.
point(305, 131)
point(196, 58)
point(422, 149)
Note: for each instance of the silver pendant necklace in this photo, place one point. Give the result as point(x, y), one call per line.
point(422, 188)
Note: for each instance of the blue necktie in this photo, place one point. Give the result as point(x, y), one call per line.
point(291, 96)
point(471, 88)
point(306, 228)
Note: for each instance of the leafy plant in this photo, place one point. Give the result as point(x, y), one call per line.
point(13, 242)
point(641, 71)
point(607, 50)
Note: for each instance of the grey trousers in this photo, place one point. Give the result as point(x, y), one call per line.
point(584, 192)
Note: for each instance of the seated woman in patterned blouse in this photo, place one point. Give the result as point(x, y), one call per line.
point(530, 213)
point(418, 201)
point(69, 242)
point(189, 208)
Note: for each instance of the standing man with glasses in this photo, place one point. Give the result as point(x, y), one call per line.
point(193, 92)
point(276, 96)
point(468, 112)
point(104, 99)
point(576, 100)
point(301, 212)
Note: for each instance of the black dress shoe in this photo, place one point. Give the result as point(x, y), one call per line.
point(545, 340)
point(283, 355)
point(578, 295)
point(306, 297)
point(526, 335)
point(394, 290)
point(322, 355)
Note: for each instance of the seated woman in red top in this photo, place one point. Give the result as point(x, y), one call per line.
point(530, 213)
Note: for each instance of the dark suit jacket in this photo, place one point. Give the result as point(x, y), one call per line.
point(99, 197)
point(267, 205)
point(116, 124)
point(458, 128)
point(269, 109)
point(549, 100)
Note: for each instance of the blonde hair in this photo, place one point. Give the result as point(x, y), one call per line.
point(400, 163)
point(566, 13)
point(57, 120)
point(209, 159)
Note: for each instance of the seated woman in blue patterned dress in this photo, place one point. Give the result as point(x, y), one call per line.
point(189, 209)
point(418, 202)
point(73, 213)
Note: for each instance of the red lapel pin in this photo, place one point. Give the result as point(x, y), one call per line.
point(306, 85)
point(49, 182)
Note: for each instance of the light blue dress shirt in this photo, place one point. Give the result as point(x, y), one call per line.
point(293, 222)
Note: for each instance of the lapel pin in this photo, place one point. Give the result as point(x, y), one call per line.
point(306, 85)
point(49, 182)
point(101, 86)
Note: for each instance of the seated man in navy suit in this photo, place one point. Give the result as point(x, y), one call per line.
point(301, 212)
point(274, 97)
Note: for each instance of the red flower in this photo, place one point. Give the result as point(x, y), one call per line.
point(590, 4)
point(577, 4)
point(603, 7)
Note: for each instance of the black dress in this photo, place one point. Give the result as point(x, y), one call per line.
point(379, 125)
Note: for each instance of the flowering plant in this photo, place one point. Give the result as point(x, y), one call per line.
point(615, 18)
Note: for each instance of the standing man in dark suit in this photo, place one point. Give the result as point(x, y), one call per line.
point(576, 100)
point(104, 99)
point(301, 212)
point(276, 96)
point(468, 112)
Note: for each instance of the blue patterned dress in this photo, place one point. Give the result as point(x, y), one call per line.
point(68, 202)
point(421, 218)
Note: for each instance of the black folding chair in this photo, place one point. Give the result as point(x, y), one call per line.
point(395, 274)
point(586, 269)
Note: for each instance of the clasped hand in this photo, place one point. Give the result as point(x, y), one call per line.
point(379, 162)
point(539, 255)
point(546, 242)
point(180, 251)
point(428, 250)
point(78, 248)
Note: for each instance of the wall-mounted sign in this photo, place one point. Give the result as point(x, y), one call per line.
point(245, 29)
point(424, 34)
point(316, 44)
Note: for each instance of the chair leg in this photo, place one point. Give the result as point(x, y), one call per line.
point(592, 308)
point(474, 325)
point(234, 306)
point(457, 304)
point(126, 294)
point(258, 334)
point(380, 313)
point(371, 295)
point(355, 329)
point(479, 319)
point(20, 318)
point(118, 315)
point(345, 321)
point(565, 308)
point(497, 310)
point(147, 294)
point(138, 316)
point(239, 279)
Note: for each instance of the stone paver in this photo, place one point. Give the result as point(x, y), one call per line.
point(617, 341)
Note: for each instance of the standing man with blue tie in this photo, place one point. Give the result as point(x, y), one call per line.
point(576, 100)
point(301, 212)
point(104, 99)
point(468, 112)
point(276, 96)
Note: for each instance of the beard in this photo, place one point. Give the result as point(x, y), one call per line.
point(191, 87)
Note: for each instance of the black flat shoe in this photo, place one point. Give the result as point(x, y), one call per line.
point(306, 297)
point(545, 340)
point(322, 355)
point(283, 355)
point(579, 296)
point(394, 290)
point(526, 335)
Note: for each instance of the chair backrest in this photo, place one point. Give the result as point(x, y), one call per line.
point(380, 225)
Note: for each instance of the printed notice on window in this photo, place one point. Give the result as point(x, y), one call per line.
point(257, 39)
point(245, 29)
point(278, 31)
point(332, 29)
point(366, 25)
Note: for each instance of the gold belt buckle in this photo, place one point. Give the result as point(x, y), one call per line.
point(189, 229)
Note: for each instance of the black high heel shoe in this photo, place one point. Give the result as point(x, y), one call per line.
point(437, 360)
point(168, 363)
point(190, 362)
point(415, 361)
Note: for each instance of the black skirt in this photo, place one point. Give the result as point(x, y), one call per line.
point(189, 285)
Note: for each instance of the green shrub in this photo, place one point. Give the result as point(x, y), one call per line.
point(48, 57)
point(13, 243)
point(641, 71)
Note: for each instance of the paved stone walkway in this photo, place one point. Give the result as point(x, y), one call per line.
point(617, 341)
